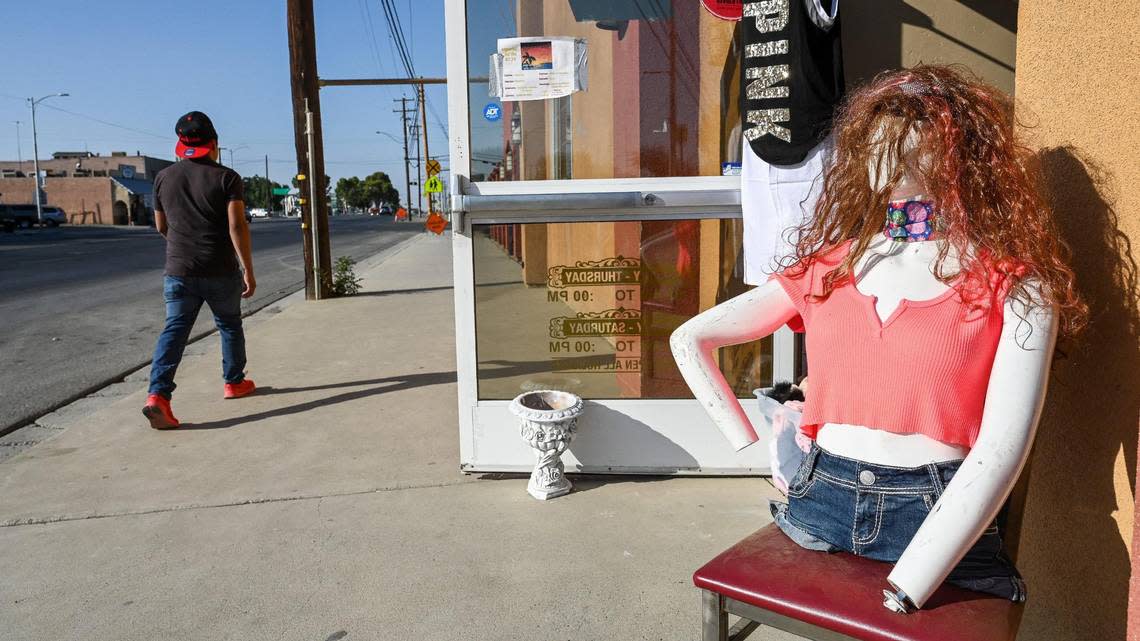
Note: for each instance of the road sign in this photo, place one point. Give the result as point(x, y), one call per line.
point(280, 191)
point(401, 214)
point(436, 223)
point(432, 167)
point(433, 185)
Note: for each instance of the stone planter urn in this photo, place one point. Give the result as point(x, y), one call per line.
point(548, 422)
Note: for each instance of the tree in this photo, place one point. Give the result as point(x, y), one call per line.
point(374, 190)
point(380, 189)
point(258, 194)
point(349, 193)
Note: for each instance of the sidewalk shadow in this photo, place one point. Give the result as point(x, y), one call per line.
point(583, 481)
point(1071, 545)
point(394, 292)
point(598, 453)
point(377, 386)
point(422, 290)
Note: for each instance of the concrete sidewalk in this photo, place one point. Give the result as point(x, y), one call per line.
point(330, 506)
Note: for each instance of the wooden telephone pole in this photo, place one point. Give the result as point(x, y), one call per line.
point(403, 111)
point(427, 156)
point(310, 148)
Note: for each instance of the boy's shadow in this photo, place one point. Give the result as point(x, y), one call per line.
point(375, 386)
point(1071, 549)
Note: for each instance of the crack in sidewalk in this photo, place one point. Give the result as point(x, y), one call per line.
point(65, 518)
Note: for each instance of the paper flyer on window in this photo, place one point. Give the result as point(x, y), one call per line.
point(537, 68)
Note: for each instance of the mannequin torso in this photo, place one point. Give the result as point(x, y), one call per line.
point(890, 272)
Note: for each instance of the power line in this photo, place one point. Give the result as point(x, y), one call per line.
point(105, 122)
point(367, 24)
point(396, 31)
point(373, 43)
point(92, 118)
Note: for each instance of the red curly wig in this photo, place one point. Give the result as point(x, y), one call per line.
point(983, 180)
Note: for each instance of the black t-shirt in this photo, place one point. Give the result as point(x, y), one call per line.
point(792, 76)
point(194, 195)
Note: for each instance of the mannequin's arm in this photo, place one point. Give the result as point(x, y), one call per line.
point(973, 497)
point(748, 317)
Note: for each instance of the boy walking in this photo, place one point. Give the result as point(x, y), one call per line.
point(200, 210)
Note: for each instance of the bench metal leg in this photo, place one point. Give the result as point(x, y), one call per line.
point(714, 618)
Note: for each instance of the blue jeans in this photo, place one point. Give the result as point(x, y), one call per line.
point(184, 296)
point(840, 504)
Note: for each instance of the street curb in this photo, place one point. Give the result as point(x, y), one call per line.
point(277, 305)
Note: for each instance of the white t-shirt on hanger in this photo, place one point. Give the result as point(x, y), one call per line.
point(776, 199)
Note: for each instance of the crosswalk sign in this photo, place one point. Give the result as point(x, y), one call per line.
point(433, 185)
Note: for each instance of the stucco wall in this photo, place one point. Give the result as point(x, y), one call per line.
point(1078, 87)
point(889, 34)
point(73, 195)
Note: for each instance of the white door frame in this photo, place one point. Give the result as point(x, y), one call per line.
point(485, 446)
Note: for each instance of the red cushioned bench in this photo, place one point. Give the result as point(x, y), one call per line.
point(766, 579)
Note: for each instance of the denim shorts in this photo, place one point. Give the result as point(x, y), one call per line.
point(841, 504)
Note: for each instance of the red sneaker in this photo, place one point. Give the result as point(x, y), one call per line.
point(238, 390)
point(157, 409)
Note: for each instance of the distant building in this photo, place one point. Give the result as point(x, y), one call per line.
point(91, 188)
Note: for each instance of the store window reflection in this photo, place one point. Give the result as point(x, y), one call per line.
point(657, 91)
point(589, 307)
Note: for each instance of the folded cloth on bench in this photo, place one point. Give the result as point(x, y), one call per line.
point(837, 504)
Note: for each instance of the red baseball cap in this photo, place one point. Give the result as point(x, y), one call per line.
point(196, 135)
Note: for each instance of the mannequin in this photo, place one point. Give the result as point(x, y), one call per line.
point(926, 105)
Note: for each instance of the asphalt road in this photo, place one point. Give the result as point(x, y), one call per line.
point(81, 305)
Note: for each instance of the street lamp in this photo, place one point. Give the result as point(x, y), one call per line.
point(394, 139)
point(407, 176)
point(32, 102)
point(232, 150)
point(19, 154)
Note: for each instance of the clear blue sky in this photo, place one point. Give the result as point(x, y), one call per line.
point(140, 65)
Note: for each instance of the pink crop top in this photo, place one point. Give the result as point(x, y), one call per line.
point(923, 370)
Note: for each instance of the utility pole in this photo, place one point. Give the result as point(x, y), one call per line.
point(268, 188)
point(407, 176)
point(423, 124)
point(36, 152)
point(419, 165)
point(19, 154)
point(310, 147)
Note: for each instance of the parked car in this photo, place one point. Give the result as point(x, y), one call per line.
point(259, 212)
point(8, 219)
point(25, 216)
point(54, 216)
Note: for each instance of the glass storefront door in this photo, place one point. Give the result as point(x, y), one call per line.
point(594, 211)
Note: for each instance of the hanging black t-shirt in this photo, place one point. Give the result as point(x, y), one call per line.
point(194, 194)
point(791, 78)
